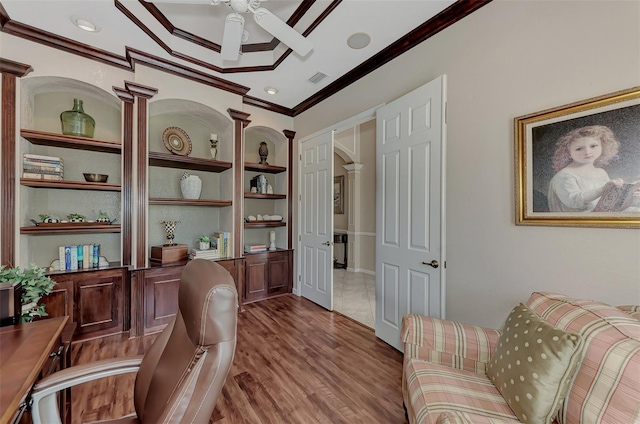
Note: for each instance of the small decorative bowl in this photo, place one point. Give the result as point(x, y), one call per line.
point(96, 178)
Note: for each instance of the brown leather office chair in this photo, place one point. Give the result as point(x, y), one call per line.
point(182, 374)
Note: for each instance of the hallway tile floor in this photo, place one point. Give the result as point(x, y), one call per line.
point(354, 295)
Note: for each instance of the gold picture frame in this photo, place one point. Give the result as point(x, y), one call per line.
point(578, 165)
point(338, 194)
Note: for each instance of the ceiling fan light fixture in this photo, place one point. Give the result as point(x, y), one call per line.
point(271, 90)
point(84, 24)
point(359, 40)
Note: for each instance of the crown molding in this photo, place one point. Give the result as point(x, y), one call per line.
point(14, 68)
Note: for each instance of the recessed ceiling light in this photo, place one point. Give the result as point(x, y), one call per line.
point(359, 40)
point(84, 24)
point(271, 90)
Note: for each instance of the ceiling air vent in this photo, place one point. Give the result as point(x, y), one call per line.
point(319, 76)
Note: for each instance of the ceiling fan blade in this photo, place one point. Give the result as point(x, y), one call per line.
point(283, 32)
point(232, 37)
point(183, 1)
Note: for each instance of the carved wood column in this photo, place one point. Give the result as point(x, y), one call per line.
point(240, 124)
point(127, 173)
point(290, 135)
point(11, 71)
point(142, 93)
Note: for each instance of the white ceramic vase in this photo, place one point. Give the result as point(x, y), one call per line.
point(191, 187)
point(205, 245)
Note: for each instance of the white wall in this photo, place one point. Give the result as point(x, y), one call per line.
point(508, 59)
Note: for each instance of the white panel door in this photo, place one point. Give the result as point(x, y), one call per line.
point(410, 140)
point(316, 219)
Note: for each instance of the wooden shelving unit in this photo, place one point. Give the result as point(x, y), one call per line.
point(264, 196)
point(168, 160)
point(43, 138)
point(269, 169)
point(70, 185)
point(188, 202)
point(71, 229)
point(264, 224)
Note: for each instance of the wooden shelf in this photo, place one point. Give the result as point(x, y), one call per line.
point(168, 160)
point(263, 224)
point(269, 169)
point(188, 202)
point(70, 185)
point(248, 195)
point(112, 265)
point(42, 138)
point(71, 229)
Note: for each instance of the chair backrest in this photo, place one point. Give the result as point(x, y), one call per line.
point(182, 374)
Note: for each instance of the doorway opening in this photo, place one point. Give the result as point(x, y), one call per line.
point(354, 230)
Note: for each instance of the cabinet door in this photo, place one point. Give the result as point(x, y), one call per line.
point(160, 297)
point(255, 277)
point(278, 273)
point(59, 302)
point(98, 302)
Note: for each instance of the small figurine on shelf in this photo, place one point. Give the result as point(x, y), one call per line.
point(213, 145)
point(272, 240)
point(103, 217)
point(48, 219)
point(76, 217)
point(263, 152)
point(205, 242)
point(170, 229)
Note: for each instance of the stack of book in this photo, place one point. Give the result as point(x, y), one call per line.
point(255, 248)
point(79, 257)
point(41, 167)
point(204, 254)
point(221, 241)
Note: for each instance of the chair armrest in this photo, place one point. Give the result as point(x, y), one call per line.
point(456, 417)
point(449, 343)
point(45, 405)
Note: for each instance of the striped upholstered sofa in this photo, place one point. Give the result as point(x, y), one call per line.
point(445, 366)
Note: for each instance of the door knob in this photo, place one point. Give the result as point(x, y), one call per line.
point(327, 243)
point(433, 264)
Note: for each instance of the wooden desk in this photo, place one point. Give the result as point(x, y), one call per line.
point(24, 351)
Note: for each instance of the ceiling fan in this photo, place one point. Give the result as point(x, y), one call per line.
point(234, 26)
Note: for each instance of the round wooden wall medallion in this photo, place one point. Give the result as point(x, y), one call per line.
point(177, 141)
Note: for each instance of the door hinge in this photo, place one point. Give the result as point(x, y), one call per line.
point(445, 264)
point(300, 197)
point(300, 156)
point(299, 238)
point(299, 277)
point(446, 108)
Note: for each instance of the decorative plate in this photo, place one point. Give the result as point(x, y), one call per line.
point(177, 141)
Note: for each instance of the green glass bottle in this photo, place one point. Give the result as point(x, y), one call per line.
point(76, 122)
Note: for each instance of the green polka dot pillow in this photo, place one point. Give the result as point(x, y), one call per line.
point(533, 364)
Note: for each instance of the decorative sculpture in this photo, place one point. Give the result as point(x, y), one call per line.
point(263, 151)
point(170, 229)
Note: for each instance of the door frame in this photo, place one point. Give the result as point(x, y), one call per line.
point(360, 118)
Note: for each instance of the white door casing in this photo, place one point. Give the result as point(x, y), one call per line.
point(410, 160)
point(316, 219)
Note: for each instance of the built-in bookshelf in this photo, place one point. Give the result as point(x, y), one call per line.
point(43, 99)
point(213, 210)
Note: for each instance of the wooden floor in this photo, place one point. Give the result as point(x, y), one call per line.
point(295, 363)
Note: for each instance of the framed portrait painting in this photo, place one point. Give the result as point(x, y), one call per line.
point(579, 164)
point(338, 194)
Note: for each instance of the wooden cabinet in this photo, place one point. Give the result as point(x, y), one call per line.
point(267, 274)
point(94, 300)
point(159, 294)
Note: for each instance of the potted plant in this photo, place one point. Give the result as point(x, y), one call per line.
point(35, 285)
point(205, 242)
